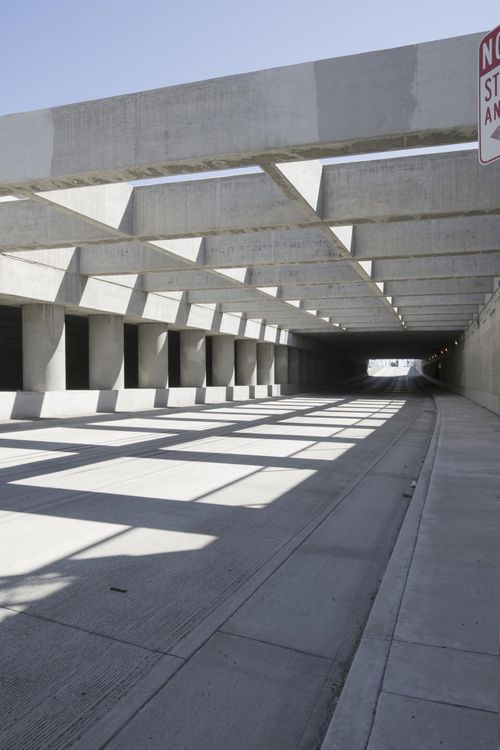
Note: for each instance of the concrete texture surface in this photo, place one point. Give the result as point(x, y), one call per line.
point(170, 576)
point(426, 672)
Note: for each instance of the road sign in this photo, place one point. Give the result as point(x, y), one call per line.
point(489, 97)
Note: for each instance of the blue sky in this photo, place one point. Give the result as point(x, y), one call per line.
point(59, 51)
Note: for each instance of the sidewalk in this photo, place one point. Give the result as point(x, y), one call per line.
point(425, 676)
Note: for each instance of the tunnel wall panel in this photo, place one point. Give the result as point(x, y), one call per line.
point(472, 368)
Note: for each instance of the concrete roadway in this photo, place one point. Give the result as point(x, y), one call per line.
point(197, 578)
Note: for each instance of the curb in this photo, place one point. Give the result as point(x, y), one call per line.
point(352, 721)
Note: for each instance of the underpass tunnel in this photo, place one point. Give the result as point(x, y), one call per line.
point(466, 361)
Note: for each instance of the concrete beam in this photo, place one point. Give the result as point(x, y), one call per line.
point(438, 310)
point(425, 300)
point(455, 266)
point(245, 119)
point(444, 287)
point(27, 224)
point(356, 192)
point(257, 277)
point(184, 281)
point(413, 239)
point(125, 258)
point(352, 193)
point(443, 326)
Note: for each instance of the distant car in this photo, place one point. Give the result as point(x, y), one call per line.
point(394, 363)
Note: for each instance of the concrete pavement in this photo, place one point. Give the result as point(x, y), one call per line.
point(197, 577)
point(426, 672)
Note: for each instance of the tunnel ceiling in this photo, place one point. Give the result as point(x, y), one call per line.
point(396, 253)
point(385, 344)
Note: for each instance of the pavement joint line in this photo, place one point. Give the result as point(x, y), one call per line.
point(412, 526)
point(276, 645)
point(443, 648)
point(88, 632)
point(441, 703)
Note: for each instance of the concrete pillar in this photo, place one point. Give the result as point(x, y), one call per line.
point(44, 348)
point(223, 360)
point(153, 355)
point(281, 364)
point(193, 359)
point(294, 365)
point(246, 362)
point(265, 364)
point(106, 360)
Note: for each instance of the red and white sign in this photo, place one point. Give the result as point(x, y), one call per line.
point(489, 97)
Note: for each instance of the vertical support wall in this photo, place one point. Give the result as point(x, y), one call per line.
point(192, 359)
point(44, 348)
point(281, 364)
point(223, 372)
point(246, 362)
point(106, 354)
point(265, 364)
point(153, 355)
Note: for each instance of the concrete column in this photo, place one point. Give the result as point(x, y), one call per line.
point(294, 366)
point(265, 364)
point(246, 362)
point(193, 359)
point(281, 364)
point(223, 360)
point(106, 360)
point(153, 355)
point(44, 348)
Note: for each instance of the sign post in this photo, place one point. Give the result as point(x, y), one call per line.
point(489, 97)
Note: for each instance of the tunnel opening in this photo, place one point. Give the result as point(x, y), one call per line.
point(208, 360)
point(131, 355)
point(11, 363)
point(174, 353)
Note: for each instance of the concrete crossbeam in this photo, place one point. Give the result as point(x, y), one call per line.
point(430, 300)
point(28, 224)
point(125, 258)
point(437, 310)
point(245, 119)
point(215, 296)
point(356, 192)
point(412, 239)
point(354, 315)
point(367, 304)
point(391, 240)
point(254, 249)
point(184, 281)
point(444, 287)
point(391, 189)
point(443, 326)
point(455, 266)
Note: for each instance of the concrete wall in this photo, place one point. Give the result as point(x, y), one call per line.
point(472, 366)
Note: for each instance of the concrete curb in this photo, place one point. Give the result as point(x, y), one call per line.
point(352, 721)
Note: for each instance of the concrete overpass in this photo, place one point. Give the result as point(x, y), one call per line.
point(130, 280)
